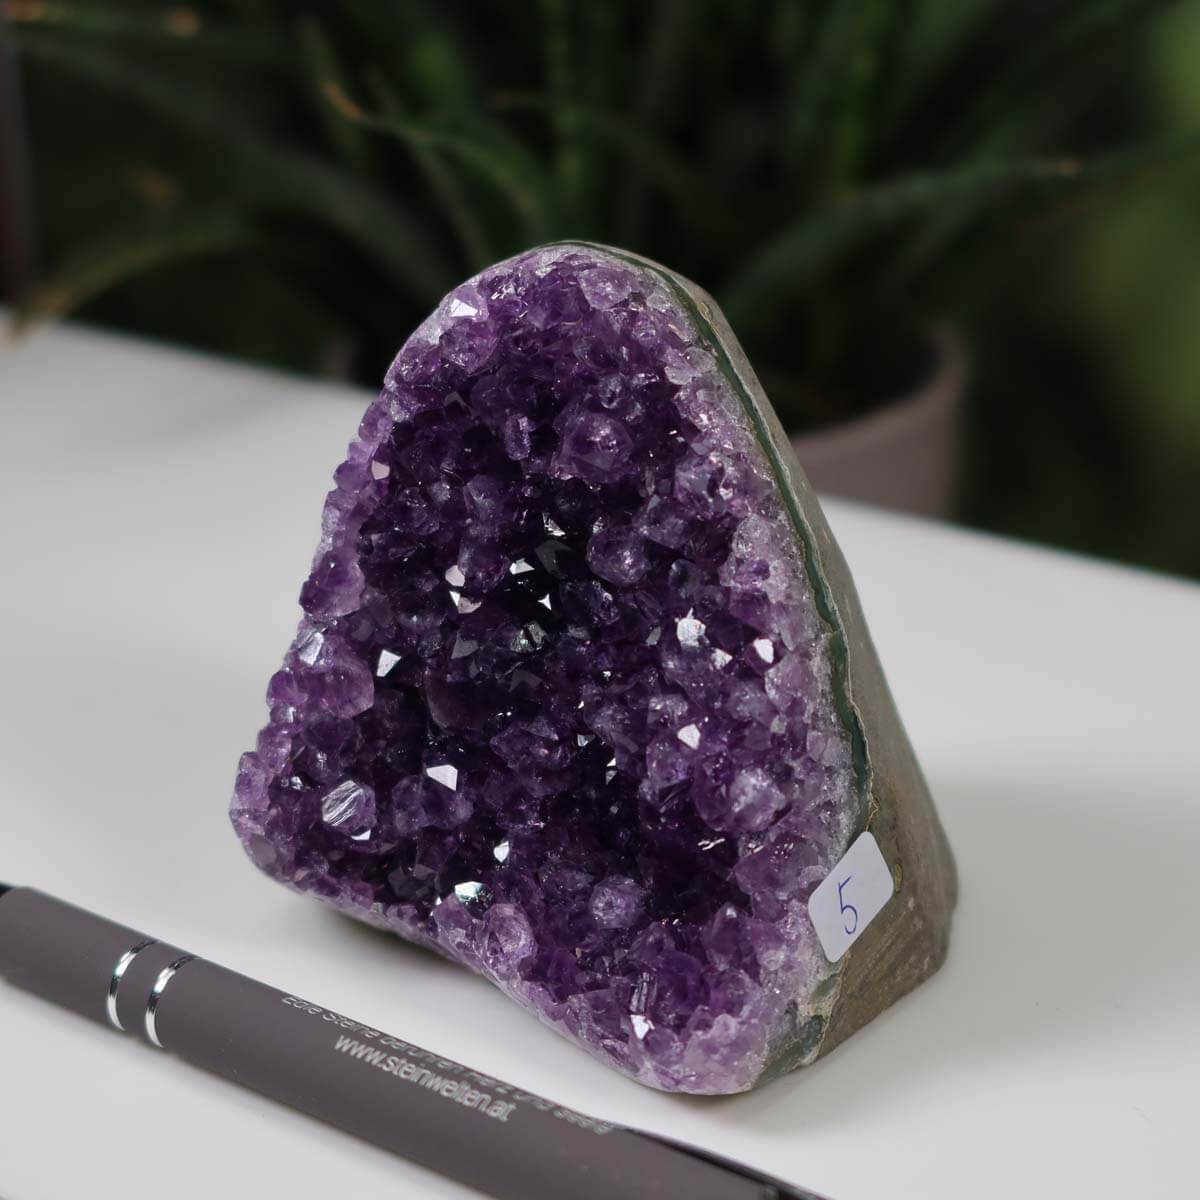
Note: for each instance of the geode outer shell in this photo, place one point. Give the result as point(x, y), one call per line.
point(582, 697)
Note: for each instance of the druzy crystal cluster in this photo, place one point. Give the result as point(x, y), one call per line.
point(561, 704)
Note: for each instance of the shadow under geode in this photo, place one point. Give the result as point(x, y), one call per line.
point(350, 929)
point(1073, 924)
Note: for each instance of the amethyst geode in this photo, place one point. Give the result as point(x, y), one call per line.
point(571, 701)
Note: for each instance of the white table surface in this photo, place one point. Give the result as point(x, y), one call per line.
point(158, 512)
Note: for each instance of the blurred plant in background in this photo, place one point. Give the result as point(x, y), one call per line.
point(1086, 353)
point(299, 183)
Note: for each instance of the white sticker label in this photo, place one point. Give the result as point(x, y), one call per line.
point(849, 898)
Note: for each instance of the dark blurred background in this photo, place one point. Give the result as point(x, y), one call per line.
point(298, 184)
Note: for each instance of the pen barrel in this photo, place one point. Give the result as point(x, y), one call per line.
point(465, 1125)
point(458, 1122)
point(91, 965)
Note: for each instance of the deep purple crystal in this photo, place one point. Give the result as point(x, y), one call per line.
point(560, 705)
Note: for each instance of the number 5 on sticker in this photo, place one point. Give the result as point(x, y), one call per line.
point(849, 898)
point(848, 910)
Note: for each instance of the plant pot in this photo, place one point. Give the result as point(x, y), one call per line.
point(903, 455)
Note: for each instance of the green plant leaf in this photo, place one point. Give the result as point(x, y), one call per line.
point(1083, 30)
point(658, 74)
point(182, 26)
point(570, 162)
point(791, 263)
point(267, 176)
point(128, 253)
point(938, 41)
point(868, 58)
point(324, 70)
point(696, 200)
point(443, 182)
point(414, 48)
point(423, 81)
point(816, 82)
point(520, 187)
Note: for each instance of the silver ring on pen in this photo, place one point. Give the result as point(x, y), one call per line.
point(114, 984)
point(160, 985)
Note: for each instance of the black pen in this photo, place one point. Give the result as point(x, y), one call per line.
point(460, 1123)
